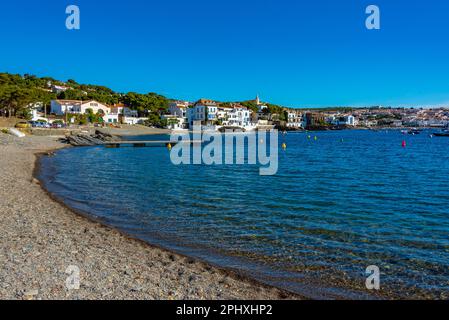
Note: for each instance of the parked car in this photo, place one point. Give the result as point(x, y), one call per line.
point(39, 124)
point(34, 124)
point(22, 125)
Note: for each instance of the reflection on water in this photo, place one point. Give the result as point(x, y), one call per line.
point(337, 205)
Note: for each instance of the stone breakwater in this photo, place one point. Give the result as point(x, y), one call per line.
point(40, 239)
point(84, 139)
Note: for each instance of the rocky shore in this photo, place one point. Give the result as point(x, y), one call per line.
point(41, 240)
point(84, 139)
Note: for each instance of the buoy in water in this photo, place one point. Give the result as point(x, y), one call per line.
point(404, 144)
point(309, 137)
point(169, 146)
point(284, 146)
point(316, 138)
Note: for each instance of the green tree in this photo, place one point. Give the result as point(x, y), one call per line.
point(14, 98)
point(145, 103)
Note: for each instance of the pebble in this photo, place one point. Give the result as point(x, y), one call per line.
point(42, 239)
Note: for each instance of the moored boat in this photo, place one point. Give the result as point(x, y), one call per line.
point(414, 131)
point(442, 133)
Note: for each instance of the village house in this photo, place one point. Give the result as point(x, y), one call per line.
point(123, 114)
point(204, 110)
point(235, 116)
point(174, 122)
point(58, 89)
point(60, 107)
point(179, 109)
point(341, 120)
point(123, 110)
point(118, 113)
point(294, 119)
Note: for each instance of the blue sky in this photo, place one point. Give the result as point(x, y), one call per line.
point(291, 52)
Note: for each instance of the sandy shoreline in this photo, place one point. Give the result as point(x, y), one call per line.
point(41, 238)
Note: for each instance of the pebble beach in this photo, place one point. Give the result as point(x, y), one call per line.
point(40, 239)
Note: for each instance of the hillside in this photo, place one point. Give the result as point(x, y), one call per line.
point(19, 91)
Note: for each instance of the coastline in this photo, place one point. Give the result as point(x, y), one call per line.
point(41, 238)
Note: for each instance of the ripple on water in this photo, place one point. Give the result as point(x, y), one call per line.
point(333, 208)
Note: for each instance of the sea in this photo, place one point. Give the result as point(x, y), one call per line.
point(340, 203)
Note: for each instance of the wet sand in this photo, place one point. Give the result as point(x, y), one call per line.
point(41, 238)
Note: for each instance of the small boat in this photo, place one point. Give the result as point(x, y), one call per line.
point(442, 133)
point(16, 133)
point(414, 131)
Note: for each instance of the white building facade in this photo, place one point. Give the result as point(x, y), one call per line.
point(342, 120)
point(180, 109)
point(237, 116)
point(204, 111)
point(295, 120)
point(60, 107)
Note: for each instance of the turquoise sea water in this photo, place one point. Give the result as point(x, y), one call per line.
point(348, 200)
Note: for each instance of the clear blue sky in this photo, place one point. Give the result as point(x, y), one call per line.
point(291, 52)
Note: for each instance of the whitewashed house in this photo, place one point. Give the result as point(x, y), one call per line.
point(223, 114)
point(180, 110)
point(238, 116)
point(294, 119)
point(339, 120)
point(124, 111)
point(111, 118)
point(95, 106)
point(204, 110)
point(119, 113)
point(60, 107)
point(174, 122)
point(58, 89)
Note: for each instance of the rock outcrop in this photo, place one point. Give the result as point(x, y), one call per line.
point(80, 140)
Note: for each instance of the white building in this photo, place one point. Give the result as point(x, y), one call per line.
point(58, 89)
point(204, 110)
point(110, 114)
point(349, 120)
point(180, 110)
point(111, 118)
point(294, 119)
point(121, 109)
point(236, 116)
point(119, 113)
point(337, 120)
point(60, 107)
point(174, 122)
